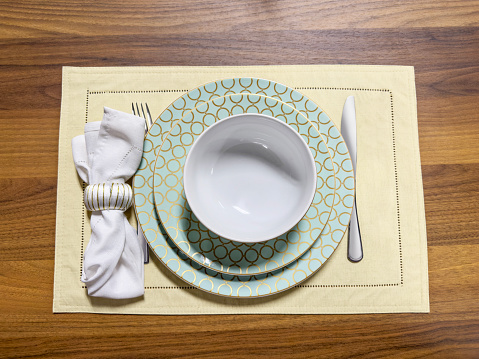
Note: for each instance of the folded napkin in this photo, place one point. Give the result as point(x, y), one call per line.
point(105, 157)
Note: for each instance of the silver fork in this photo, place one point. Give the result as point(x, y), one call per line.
point(148, 122)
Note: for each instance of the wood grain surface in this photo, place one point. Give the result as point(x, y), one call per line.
point(440, 38)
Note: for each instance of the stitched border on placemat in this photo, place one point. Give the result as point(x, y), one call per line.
point(401, 281)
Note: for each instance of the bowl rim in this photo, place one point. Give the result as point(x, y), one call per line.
point(280, 232)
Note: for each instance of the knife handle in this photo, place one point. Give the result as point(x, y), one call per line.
point(355, 246)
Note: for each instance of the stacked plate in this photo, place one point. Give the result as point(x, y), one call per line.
point(231, 266)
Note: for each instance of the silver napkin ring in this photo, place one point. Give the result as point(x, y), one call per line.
point(108, 196)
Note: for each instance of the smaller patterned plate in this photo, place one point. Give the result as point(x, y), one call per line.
point(204, 246)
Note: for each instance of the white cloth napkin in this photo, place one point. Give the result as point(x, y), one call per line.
point(110, 152)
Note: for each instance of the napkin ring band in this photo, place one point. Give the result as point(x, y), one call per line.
point(108, 196)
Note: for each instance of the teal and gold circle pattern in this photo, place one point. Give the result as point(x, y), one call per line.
point(257, 285)
point(204, 246)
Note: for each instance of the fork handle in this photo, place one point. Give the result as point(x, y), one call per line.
point(142, 239)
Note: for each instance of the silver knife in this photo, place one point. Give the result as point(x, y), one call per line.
point(348, 131)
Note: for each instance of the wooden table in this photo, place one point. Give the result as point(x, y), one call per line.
point(439, 38)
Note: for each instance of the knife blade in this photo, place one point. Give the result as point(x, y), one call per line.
point(348, 131)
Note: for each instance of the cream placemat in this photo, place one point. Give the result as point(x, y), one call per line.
point(392, 277)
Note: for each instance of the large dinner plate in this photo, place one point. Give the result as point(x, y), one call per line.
point(204, 246)
point(263, 284)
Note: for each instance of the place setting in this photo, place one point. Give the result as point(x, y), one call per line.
point(235, 190)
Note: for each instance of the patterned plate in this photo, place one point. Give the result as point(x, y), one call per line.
point(204, 246)
point(263, 284)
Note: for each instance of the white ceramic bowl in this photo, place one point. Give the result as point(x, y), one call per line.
point(249, 178)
